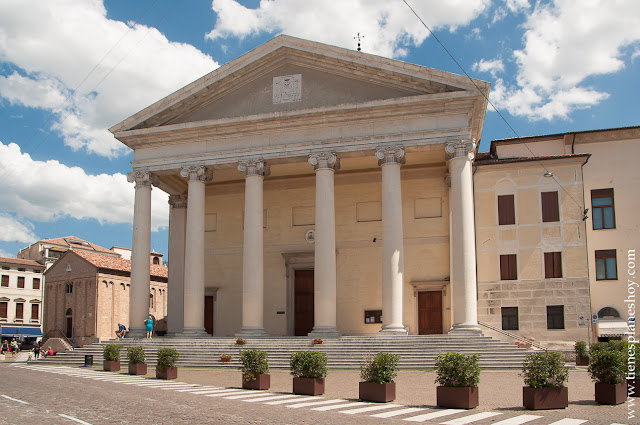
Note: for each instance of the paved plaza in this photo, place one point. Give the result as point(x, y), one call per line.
point(500, 396)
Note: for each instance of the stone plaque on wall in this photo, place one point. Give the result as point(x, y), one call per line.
point(287, 89)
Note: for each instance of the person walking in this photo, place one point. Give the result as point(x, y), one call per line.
point(149, 325)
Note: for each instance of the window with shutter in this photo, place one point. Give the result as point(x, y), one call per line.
point(555, 317)
point(35, 308)
point(19, 311)
point(606, 264)
point(3, 310)
point(552, 264)
point(5, 281)
point(506, 210)
point(36, 283)
point(602, 209)
point(550, 208)
point(508, 267)
point(20, 281)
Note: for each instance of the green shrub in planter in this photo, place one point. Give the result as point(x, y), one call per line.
point(598, 346)
point(136, 355)
point(254, 363)
point(309, 364)
point(457, 370)
point(581, 349)
point(380, 369)
point(544, 370)
point(608, 366)
point(167, 357)
point(111, 352)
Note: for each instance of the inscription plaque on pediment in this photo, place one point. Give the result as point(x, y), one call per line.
point(287, 88)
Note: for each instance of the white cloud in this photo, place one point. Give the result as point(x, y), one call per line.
point(493, 66)
point(510, 6)
point(5, 254)
point(13, 230)
point(45, 191)
point(389, 28)
point(565, 43)
point(56, 44)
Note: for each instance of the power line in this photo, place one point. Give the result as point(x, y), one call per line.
point(547, 172)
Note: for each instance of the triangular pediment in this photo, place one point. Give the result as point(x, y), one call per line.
point(290, 74)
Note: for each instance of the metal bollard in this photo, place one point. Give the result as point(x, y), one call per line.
point(88, 360)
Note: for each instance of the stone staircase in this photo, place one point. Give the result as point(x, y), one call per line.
point(416, 351)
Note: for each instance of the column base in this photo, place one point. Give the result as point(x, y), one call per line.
point(324, 332)
point(393, 330)
point(136, 333)
point(252, 332)
point(192, 333)
point(465, 329)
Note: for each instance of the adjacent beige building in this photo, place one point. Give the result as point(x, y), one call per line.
point(88, 294)
point(21, 295)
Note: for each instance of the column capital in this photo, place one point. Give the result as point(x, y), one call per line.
point(254, 167)
point(390, 155)
point(460, 149)
point(197, 172)
point(142, 178)
point(178, 201)
point(324, 161)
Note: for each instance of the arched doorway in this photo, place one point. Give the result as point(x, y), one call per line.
point(69, 327)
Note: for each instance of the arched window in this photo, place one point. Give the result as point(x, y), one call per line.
point(150, 300)
point(608, 313)
point(69, 288)
point(156, 260)
point(68, 313)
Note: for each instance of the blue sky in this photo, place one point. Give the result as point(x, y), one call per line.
point(70, 69)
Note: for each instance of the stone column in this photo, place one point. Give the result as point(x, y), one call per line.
point(140, 249)
point(390, 159)
point(175, 287)
point(194, 250)
point(253, 249)
point(462, 238)
point(324, 297)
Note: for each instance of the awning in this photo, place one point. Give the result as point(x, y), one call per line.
point(612, 328)
point(18, 331)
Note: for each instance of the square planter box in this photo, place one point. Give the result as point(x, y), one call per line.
point(261, 382)
point(167, 373)
point(111, 365)
point(633, 383)
point(545, 398)
point(582, 360)
point(611, 393)
point(225, 359)
point(308, 386)
point(379, 393)
point(137, 368)
point(457, 397)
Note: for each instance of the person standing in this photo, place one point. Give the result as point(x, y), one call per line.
point(149, 325)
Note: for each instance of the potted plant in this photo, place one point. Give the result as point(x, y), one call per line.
point(316, 341)
point(111, 356)
point(225, 358)
point(582, 356)
point(137, 360)
point(241, 341)
point(544, 376)
point(255, 370)
point(166, 367)
point(309, 368)
point(458, 376)
point(608, 369)
point(377, 374)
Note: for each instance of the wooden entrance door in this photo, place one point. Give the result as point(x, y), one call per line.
point(208, 314)
point(69, 329)
point(429, 312)
point(303, 302)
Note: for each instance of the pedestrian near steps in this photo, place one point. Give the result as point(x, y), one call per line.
point(149, 325)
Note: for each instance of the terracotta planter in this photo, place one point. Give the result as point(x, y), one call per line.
point(378, 393)
point(308, 386)
point(457, 397)
point(225, 359)
point(167, 373)
point(545, 398)
point(633, 386)
point(582, 360)
point(111, 365)
point(611, 393)
point(260, 382)
point(137, 368)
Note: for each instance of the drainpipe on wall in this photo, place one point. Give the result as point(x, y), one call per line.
point(586, 241)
